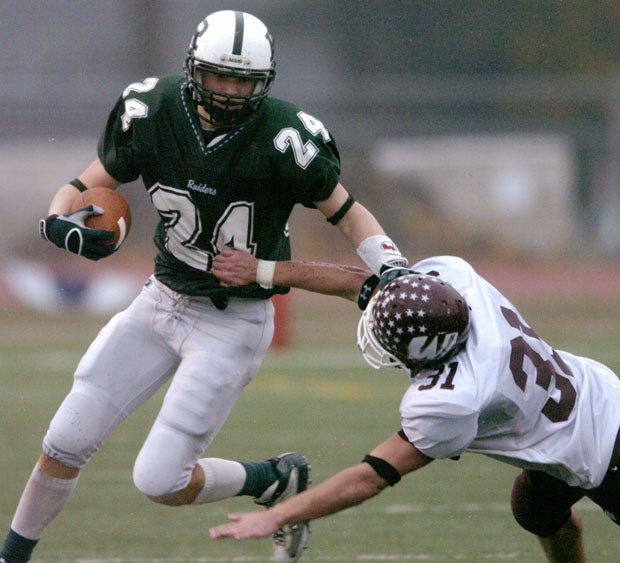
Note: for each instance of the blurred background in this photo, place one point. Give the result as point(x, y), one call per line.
point(483, 128)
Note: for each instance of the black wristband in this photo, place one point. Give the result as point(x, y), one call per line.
point(335, 218)
point(366, 291)
point(78, 184)
point(384, 469)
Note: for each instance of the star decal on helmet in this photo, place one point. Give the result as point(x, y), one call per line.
point(419, 319)
point(416, 295)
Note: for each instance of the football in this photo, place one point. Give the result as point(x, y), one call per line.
point(116, 213)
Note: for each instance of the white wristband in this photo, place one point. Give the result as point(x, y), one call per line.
point(265, 271)
point(378, 250)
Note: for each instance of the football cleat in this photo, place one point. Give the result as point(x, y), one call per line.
point(289, 542)
point(292, 470)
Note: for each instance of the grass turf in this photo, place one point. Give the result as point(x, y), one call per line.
point(317, 397)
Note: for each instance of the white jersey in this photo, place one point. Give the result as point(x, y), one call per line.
point(510, 395)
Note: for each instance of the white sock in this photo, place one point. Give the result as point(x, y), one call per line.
point(223, 479)
point(42, 500)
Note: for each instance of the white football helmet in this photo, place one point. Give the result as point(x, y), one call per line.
point(230, 43)
point(416, 321)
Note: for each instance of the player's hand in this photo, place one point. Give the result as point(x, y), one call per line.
point(388, 274)
point(234, 267)
point(398, 262)
point(246, 525)
point(69, 232)
point(367, 291)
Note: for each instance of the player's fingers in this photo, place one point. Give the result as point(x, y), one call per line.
point(220, 271)
point(234, 517)
point(217, 533)
point(222, 261)
point(225, 530)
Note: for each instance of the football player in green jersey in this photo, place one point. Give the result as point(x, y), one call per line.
point(224, 165)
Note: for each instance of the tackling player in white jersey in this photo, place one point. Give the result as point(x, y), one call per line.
point(481, 381)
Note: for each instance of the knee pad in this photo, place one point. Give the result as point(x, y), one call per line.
point(536, 505)
point(164, 465)
point(77, 430)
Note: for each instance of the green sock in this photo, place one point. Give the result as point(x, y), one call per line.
point(17, 548)
point(259, 475)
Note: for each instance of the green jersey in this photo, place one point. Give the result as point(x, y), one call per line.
point(214, 189)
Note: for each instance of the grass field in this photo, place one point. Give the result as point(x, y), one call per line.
point(316, 397)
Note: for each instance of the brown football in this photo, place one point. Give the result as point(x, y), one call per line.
point(116, 213)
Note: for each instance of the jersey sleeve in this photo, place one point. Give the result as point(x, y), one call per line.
point(132, 135)
point(438, 430)
point(308, 161)
point(324, 180)
point(441, 437)
point(116, 148)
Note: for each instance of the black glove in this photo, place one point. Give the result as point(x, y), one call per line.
point(366, 291)
point(388, 274)
point(400, 262)
point(69, 232)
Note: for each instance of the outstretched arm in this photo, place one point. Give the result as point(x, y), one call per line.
point(237, 267)
point(362, 230)
point(349, 487)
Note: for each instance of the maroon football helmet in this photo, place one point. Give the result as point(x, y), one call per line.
point(417, 321)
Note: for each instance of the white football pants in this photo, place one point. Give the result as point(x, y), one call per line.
point(211, 356)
